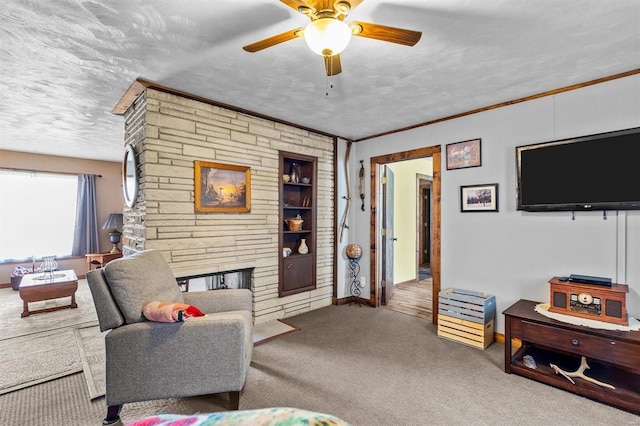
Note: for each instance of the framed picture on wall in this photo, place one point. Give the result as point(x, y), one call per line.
point(461, 155)
point(479, 198)
point(222, 188)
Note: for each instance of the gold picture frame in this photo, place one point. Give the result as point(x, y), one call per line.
point(222, 188)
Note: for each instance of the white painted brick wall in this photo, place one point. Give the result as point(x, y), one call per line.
point(169, 133)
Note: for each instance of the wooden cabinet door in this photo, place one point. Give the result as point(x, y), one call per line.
point(297, 274)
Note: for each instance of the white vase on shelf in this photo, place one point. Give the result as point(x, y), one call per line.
point(303, 249)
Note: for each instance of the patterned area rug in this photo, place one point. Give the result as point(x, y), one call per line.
point(424, 273)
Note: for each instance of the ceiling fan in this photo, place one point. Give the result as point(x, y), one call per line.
point(327, 34)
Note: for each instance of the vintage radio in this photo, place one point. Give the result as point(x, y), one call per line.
point(592, 301)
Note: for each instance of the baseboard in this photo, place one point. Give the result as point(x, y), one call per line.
point(406, 283)
point(350, 299)
point(499, 338)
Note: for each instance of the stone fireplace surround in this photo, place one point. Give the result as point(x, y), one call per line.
point(169, 132)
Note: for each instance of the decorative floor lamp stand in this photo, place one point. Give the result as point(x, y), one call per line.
point(354, 252)
point(355, 282)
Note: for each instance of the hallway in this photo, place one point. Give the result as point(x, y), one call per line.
point(413, 299)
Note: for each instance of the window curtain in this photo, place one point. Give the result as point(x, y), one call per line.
point(85, 236)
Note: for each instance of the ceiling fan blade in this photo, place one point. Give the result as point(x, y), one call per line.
point(384, 33)
point(332, 65)
point(273, 40)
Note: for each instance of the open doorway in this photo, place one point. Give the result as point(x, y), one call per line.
point(423, 224)
point(382, 242)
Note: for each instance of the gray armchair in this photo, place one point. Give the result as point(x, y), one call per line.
point(155, 360)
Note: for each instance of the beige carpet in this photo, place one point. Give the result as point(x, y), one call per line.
point(91, 345)
point(11, 325)
point(36, 358)
point(366, 366)
point(42, 346)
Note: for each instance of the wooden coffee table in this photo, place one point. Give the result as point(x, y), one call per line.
point(39, 286)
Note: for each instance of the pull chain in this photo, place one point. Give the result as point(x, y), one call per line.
point(329, 67)
point(329, 85)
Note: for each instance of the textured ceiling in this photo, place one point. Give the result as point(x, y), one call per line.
point(64, 64)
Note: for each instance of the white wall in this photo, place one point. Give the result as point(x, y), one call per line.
point(512, 254)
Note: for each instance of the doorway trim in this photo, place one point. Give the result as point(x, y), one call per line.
point(435, 153)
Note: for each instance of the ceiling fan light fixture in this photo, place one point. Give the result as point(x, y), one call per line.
point(327, 36)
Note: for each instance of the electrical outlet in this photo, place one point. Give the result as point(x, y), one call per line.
point(362, 281)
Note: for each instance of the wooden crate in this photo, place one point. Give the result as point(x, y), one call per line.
point(466, 316)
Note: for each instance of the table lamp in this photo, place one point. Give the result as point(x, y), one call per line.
point(114, 221)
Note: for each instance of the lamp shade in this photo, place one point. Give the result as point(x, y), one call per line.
point(114, 221)
point(327, 36)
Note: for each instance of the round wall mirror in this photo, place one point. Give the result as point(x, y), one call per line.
point(130, 176)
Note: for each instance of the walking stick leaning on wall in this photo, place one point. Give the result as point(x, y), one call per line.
point(343, 222)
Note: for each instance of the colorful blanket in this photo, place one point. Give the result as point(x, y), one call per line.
point(278, 416)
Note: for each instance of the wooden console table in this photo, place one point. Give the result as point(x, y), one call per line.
point(614, 356)
point(98, 260)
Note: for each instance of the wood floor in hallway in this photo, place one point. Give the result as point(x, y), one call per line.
point(413, 299)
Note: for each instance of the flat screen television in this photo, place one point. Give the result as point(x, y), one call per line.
point(595, 172)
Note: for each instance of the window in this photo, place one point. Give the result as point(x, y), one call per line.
point(37, 214)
